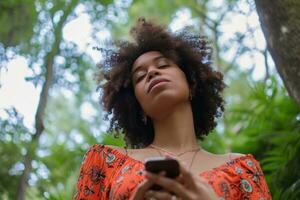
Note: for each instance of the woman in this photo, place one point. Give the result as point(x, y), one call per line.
point(164, 95)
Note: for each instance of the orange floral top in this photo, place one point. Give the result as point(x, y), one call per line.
point(106, 173)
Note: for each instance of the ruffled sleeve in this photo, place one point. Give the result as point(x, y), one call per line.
point(252, 181)
point(240, 178)
point(95, 173)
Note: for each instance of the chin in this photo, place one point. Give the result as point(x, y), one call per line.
point(170, 96)
point(165, 103)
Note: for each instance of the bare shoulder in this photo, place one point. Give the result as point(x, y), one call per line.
point(121, 149)
point(223, 156)
point(235, 155)
point(137, 154)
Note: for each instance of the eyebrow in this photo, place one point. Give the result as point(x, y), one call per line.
point(138, 67)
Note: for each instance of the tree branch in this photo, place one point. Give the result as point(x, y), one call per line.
point(39, 125)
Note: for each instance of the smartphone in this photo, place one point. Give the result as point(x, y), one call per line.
point(158, 164)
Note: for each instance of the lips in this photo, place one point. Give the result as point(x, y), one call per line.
point(156, 81)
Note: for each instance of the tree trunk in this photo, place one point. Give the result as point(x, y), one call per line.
point(39, 125)
point(280, 22)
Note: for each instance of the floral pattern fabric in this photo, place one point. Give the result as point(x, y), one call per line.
point(107, 173)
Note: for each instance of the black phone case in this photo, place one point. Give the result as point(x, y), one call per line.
point(170, 166)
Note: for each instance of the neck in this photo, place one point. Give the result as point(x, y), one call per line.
point(175, 131)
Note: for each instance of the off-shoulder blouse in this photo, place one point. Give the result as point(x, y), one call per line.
point(107, 173)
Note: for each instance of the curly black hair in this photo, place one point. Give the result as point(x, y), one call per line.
point(191, 52)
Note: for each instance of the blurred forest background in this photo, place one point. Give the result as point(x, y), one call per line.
point(40, 158)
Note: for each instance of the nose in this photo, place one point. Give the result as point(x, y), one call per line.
point(152, 72)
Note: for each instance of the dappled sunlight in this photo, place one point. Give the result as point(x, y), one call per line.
point(54, 47)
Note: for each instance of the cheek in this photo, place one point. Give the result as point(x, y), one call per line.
point(186, 89)
point(139, 94)
point(183, 83)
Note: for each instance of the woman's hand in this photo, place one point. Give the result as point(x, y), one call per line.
point(186, 186)
point(144, 187)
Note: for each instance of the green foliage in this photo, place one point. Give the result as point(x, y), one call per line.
point(13, 139)
point(161, 10)
point(157, 10)
point(260, 118)
point(17, 19)
point(269, 128)
point(263, 120)
point(111, 140)
point(64, 165)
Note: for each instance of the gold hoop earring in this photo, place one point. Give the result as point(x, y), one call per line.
point(190, 96)
point(144, 119)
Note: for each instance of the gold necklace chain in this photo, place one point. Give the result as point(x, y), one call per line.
point(196, 150)
point(171, 153)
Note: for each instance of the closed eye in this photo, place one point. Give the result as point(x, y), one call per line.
point(163, 66)
point(140, 78)
point(142, 75)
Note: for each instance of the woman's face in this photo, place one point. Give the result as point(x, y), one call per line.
point(159, 84)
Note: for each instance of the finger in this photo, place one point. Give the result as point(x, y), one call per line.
point(186, 176)
point(183, 169)
point(191, 181)
point(180, 179)
point(146, 185)
point(169, 184)
point(143, 187)
point(151, 176)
